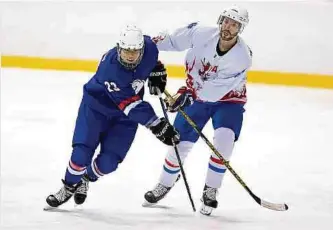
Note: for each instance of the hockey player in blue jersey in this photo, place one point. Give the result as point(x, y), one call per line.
point(111, 109)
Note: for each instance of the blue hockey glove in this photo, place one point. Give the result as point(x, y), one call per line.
point(181, 99)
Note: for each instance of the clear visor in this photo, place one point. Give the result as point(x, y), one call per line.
point(130, 55)
point(129, 58)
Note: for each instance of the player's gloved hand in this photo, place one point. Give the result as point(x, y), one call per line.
point(165, 132)
point(181, 99)
point(157, 79)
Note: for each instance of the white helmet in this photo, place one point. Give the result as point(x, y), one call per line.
point(236, 13)
point(131, 37)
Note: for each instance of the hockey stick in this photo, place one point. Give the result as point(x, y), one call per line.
point(177, 154)
point(263, 203)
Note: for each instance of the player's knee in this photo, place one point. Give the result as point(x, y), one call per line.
point(224, 139)
point(224, 133)
point(82, 155)
point(186, 131)
point(107, 163)
point(184, 147)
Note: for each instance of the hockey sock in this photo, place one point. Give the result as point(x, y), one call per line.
point(171, 166)
point(224, 142)
point(74, 173)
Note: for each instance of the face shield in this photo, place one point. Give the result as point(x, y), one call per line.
point(130, 58)
point(130, 47)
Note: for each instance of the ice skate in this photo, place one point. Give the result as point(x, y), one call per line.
point(208, 200)
point(80, 194)
point(157, 194)
point(61, 197)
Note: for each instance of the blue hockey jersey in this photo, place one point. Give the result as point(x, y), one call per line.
point(114, 89)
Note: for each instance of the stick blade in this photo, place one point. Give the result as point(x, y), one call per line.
point(273, 206)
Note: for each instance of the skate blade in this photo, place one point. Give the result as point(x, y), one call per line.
point(206, 210)
point(57, 209)
point(78, 206)
point(49, 208)
point(148, 204)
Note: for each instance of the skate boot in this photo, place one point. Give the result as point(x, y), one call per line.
point(80, 194)
point(208, 200)
point(62, 196)
point(157, 194)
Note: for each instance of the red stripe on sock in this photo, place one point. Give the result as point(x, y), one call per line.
point(76, 167)
point(97, 170)
point(217, 161)
point(170, 164)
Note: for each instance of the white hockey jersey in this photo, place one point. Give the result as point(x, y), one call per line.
point(210, 77)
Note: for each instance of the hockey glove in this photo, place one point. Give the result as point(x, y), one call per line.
point(157, 79)
point(165, 132)
point(181, 99)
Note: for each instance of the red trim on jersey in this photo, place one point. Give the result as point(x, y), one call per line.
point(232, 96)
point(217, 161)
point(158, 39)
point(123, 104)
point(235, 100)
point(189, 84)
point(236, 96)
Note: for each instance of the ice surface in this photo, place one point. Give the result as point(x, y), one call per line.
point(285, 154)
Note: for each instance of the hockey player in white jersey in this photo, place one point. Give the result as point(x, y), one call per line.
point(216, 63)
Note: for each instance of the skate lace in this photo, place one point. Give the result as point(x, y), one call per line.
point(62, 194)
point(160, 190)
point(83, 188)
point(211, 193)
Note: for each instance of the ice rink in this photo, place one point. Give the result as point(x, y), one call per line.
point(285, 154)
